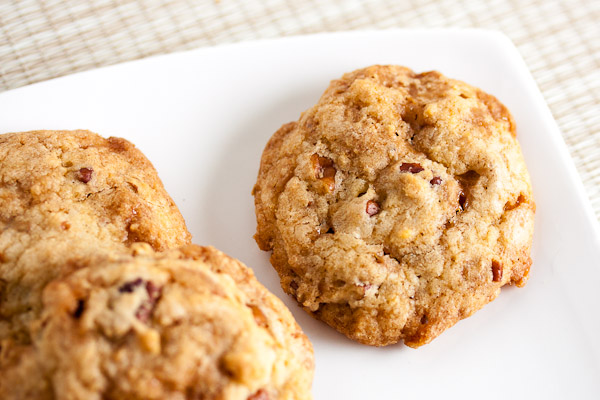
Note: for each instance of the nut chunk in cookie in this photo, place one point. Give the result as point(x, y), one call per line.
point(396, 206)
point(186, 324)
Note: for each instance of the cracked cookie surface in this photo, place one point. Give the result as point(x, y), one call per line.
point(397, 206)
point(190, 323)
point(66, 196)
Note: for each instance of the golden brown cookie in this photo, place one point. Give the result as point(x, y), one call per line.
point(191, 323)
point(65, 195)
point(397, 206)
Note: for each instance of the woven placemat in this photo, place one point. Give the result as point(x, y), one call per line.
point(560, 41)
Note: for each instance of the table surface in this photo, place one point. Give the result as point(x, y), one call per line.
point(559, 40)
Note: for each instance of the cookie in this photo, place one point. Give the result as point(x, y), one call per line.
point(191, 323)
point(65, 195)
point(396, 206)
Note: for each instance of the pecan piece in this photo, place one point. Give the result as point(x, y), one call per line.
point(322, 166)
point(413, 168)
point(145, 309)
point(496, 271)
point(85, 175)
point(372, 208)
point(261, 394)
point(436, 180)
point(324, 170)
point(130, 286)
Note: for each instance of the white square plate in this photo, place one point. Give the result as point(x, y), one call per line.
point(203, 117)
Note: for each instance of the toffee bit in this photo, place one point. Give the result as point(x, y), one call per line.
point(329, 183)
point(509, 206)
point(259, 316)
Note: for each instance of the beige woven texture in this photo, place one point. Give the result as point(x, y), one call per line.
point(560, 41)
